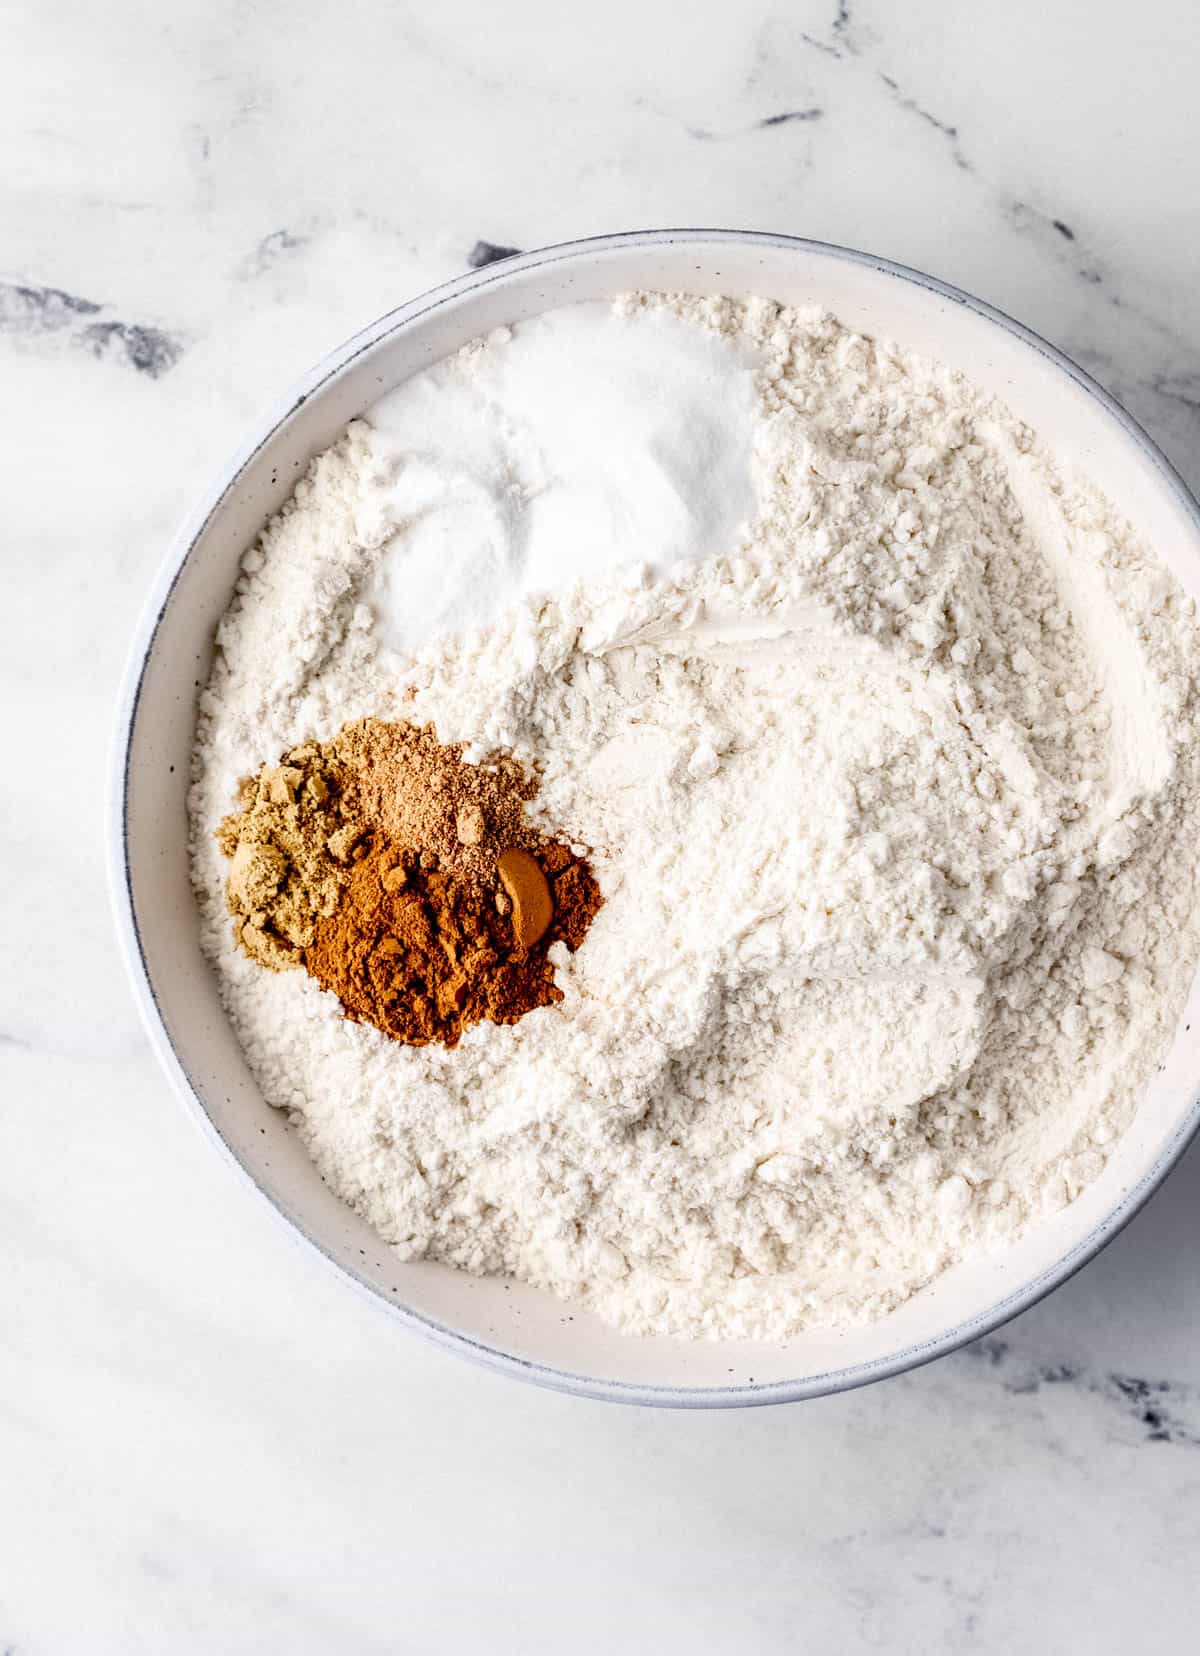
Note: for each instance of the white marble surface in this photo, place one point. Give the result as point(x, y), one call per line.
point(207, 1443)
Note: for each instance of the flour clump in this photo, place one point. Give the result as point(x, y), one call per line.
point(891, 799)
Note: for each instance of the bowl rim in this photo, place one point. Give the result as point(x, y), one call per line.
point(162, 588)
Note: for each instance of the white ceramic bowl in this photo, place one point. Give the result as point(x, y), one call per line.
point(510, 1327)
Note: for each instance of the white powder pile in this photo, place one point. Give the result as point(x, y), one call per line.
point(893, 805)
point(498, 475)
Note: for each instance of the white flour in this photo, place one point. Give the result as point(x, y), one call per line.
point(894, 811)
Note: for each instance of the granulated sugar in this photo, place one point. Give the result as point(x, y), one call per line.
point(893, 807)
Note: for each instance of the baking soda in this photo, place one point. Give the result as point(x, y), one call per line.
point(554, 452)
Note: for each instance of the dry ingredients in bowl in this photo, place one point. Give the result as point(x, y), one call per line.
point(875, 731)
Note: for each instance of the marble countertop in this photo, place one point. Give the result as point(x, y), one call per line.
point(207, 1442)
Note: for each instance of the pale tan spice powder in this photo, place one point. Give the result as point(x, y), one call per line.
point(290, 843)
point(422, 795)
point(384, 865)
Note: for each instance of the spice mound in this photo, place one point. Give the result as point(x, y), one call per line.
point(405, 880)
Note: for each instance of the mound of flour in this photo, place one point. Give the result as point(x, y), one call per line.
point(894, 810)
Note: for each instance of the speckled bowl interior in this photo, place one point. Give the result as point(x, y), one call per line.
point(510, 1326)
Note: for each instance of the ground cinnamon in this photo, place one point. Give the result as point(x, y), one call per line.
point(409, 883)
point(421, 953)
